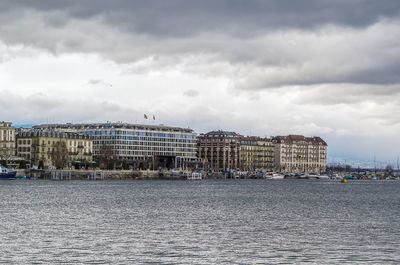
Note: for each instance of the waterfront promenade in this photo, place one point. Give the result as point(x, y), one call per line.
point(181, 174)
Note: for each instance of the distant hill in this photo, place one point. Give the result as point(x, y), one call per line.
point(23, 125)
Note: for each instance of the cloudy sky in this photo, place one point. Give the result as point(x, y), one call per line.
point(323, 67)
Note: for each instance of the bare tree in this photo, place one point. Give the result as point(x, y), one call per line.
point(107, 157)
point(389, 171)
point(59, 155)
point(6, 154)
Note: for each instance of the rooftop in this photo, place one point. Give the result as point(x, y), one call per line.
point(298, 138)
point(51, 134)
point(115, 125)
point(219, 132)
point(5, 123)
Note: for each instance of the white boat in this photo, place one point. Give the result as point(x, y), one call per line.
point(312, 176)
point(194, 176)
point(323, 176)
point(337, 176)
point(277, 176)
point(274, 176)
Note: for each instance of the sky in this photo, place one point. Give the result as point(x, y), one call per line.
point(314, 67)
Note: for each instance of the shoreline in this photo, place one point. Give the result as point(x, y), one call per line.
point(141, 175)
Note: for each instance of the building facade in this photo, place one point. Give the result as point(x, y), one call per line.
point(159, 146)
point(256, 153)
point(43, 148)
point(7, 140)
point(300, 154)
point(220, 150)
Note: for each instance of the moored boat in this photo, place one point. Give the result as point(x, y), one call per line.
point(323, 176)
point(194, 176)
point(273, 175)
point(6, 173)
point(312, 176)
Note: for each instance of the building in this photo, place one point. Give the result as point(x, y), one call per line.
point(220, 150)
point(55, 149)
point(149, 146)
point(299, 154)
point(7, 140)
point(256, 153)
point(7, 146)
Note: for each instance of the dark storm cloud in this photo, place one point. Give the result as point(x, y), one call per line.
point(257, 44)
point(243, 17)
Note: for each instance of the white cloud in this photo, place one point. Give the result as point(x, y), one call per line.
point(333, 79)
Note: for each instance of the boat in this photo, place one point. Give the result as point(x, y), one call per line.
point(323, 176)
point(337, 177)
point(194, 176)
point(277, 176)
point(312, 176)
point(6, 173)
point(274, 176)
point(300, 175)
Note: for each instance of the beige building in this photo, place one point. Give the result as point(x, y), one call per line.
point(7, 140)
point(256, 153)
point(299, 154)
point(43, 148)
point(220, 150)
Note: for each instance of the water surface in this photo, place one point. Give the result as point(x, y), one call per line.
point(204, 222)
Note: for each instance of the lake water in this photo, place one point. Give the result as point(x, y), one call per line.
point(204, 222)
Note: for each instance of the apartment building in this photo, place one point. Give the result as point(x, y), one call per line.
point(256, 153)
point(46, 148)
point(220, 150)
point(300, 154)
point(7, 140)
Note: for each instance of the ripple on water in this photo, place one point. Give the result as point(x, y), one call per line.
point(220, 222)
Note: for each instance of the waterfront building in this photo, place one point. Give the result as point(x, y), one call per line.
point(7, 140)
point(150, 146)
point(54, 149)
point(7, 146)
point(256, 153)
point(300, 154)
point(220, 150)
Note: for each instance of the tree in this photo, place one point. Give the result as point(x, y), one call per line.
point(125, 165)
point(107, 156)
point(59, 155)
point(389, 171)
point(6, 154)
point(22, 164)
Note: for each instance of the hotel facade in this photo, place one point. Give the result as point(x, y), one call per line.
point(220, 150)
point(300, 154)
point(158, 146)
